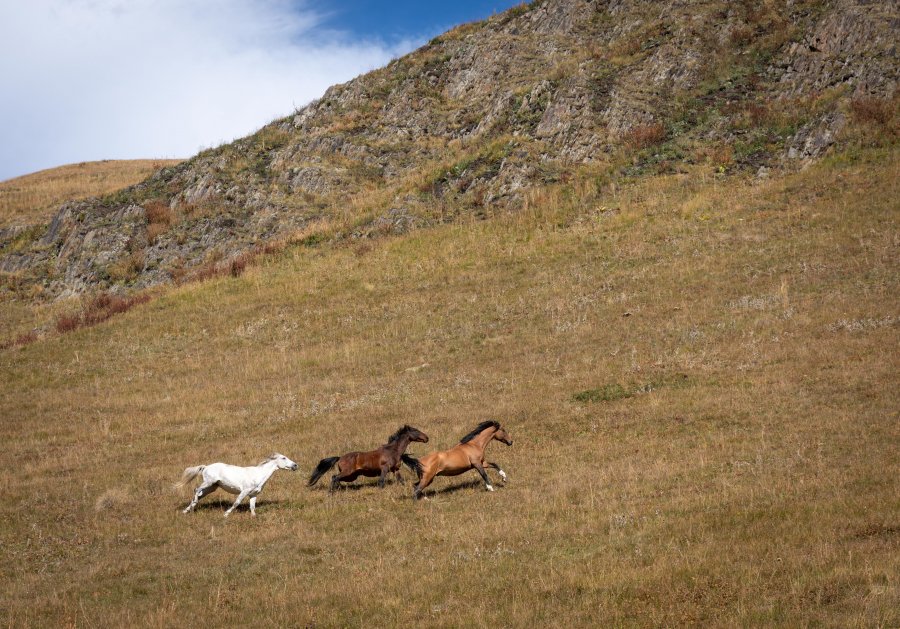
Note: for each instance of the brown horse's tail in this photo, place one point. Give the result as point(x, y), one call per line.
point(323, 466)
point(412, 463)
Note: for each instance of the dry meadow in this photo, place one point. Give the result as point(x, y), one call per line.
point(699, 373)
point(35, 197)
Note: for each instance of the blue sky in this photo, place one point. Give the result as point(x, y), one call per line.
point(405, 19)
point(118, 79)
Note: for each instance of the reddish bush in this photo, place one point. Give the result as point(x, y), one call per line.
point(23, 339)
point(155, 230)
point(868, 109)
point(159, 219)
point(205, 272)
point(740, 36)
point(273, 246)
point(159, 213)
point(238, 265)
point(234, 267)
point(67, 323)
point(97, 310)
point(644, 135)
point(759, 114)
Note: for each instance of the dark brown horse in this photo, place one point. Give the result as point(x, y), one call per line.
point(468, 454)
point(378, 462)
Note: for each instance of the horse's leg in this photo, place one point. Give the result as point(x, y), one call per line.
point(384, 472)
point(253, 505)
point(240, 497)
point(398, 477)
point(484, 477)
point(424, 481)
point(345, 472)
point(203, 490)
point(499, 471)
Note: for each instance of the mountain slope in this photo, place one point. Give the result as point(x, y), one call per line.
point(466, 125)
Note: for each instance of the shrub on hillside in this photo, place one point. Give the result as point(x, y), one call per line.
point(67, 323)
point(158, 212)
point(98, 309)
point(872, 110)
point(643, 135)
point(740, 36)
point(239, 264)
point(159, 219)
point(25, 338)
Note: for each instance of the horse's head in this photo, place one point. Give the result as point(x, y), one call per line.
point(283, 462)
point(417, 435)
point(502, 436)
point(406, 430)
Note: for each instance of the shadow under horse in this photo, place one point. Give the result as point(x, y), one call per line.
point(379, 462)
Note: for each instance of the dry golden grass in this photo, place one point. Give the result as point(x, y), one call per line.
point(34, 198)
point(760, 489)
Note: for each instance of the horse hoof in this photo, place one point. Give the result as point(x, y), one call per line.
point(490, 488)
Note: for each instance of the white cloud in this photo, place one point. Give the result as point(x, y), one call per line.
point(110, 79)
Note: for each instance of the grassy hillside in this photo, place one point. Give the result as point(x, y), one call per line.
point(34, 198)
point(699, 373)
point(468, 124)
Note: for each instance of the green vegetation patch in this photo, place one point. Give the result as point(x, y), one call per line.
point(23, 239)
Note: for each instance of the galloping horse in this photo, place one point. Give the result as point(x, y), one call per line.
point(243, 481)
point(374, 463)
point(466, 455)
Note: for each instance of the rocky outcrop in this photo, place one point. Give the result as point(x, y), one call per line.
point(852, 49)
point(481, 114)
point(854, 46)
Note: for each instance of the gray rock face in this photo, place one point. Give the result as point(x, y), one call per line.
point(312, 180)
point(815, 138)
point(478, 116)
point(853, 45)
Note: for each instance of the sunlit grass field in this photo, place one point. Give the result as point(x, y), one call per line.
point(699, 375)
point(34, 198)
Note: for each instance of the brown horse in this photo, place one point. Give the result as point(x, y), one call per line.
point(466, 455)
point(374, 463)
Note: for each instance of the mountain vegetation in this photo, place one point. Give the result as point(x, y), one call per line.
point(465, 126)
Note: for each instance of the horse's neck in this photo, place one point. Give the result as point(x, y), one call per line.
point(398, 446)
point(483, 438)
point(266, 470)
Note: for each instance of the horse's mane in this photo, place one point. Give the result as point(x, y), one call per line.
point(274, 455)
point(400, 432)
point(478, 429)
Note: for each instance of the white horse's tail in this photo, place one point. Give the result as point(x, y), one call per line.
point(189, 475)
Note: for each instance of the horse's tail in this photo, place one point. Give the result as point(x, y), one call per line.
point(412, 463)
point(323, 466)
point(189, 475)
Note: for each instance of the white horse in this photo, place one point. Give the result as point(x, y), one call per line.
point(243, 481)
